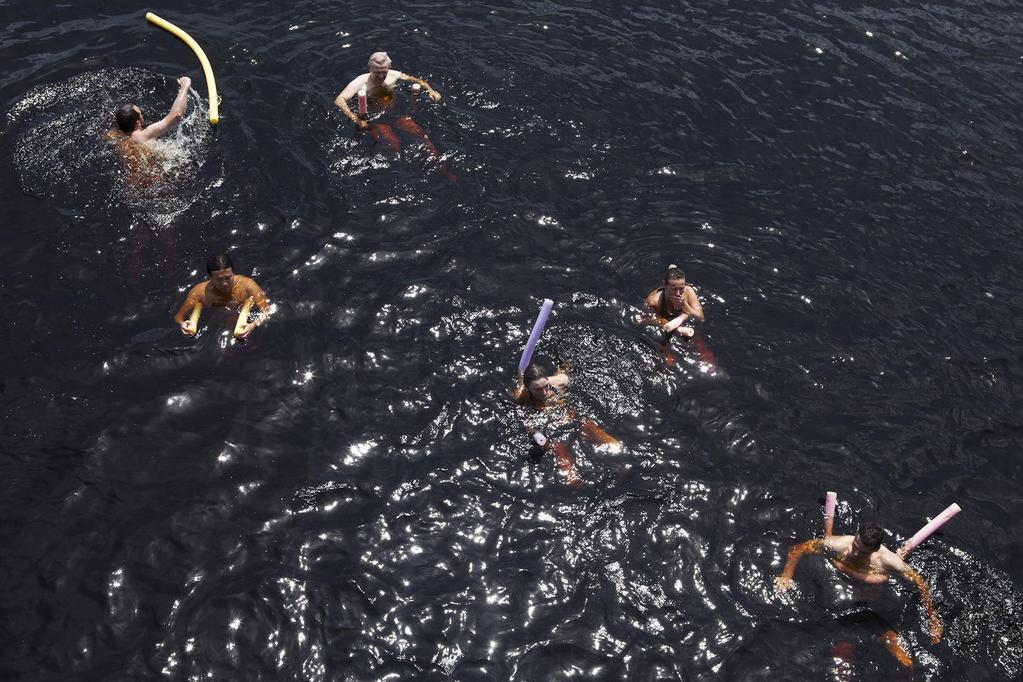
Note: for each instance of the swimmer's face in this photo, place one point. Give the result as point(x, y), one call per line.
point(540, 389)
point(859, 549)
point(378, 72)
point(222, 279)
point(675, 290)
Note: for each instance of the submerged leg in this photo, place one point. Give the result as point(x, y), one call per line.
point(597, 435)
point(566, 465)
point(843, 656)
point(893, 643)
point(704, 352)
point(382, 130)
point(412, 128)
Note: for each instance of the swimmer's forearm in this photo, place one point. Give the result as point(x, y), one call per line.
point(342, 104)
point(180, 102)
point(676, 323)
point(796, 553)
point(934, 623)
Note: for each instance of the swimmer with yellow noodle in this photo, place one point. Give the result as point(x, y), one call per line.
point(222, 290)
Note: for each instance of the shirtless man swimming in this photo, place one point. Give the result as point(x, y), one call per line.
point(135, 139)
point(223, 289)
point(379, 84)
point(671, 305)
point(863, 558)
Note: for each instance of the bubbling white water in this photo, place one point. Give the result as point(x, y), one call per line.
point(65, 153)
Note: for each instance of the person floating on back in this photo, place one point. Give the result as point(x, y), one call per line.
point(863, 558)
point(379, 86)
point(224, 289)
point(135, 139)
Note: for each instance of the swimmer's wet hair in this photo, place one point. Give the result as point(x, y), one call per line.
point(379, 59)
point(126, 117)
point(533, 372)
point(218, 261)
point(674, 273)
point(871, 535)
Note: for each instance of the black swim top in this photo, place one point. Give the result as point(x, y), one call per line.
point(663, 307)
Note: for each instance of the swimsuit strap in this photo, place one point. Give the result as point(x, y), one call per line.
point(665, 313)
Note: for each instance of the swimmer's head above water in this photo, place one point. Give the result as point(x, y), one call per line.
point(220, 268)
point(675, 285)
point(129, 117)
point(379, 65)
point(868, 539)
point(537, 382)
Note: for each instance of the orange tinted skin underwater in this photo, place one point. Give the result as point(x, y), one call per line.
point(224, 289)
point(546, 393)
point(848, 554)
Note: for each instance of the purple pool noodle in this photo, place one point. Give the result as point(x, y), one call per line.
point(541, 320)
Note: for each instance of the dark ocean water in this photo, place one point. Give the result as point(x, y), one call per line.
point(350, 496)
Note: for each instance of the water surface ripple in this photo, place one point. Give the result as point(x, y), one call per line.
point(350, 496)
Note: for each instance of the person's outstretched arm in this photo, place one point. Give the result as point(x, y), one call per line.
point(784, 581)
point(934, 623)
point(350, 91)
point(434, 95)
point(171, 120)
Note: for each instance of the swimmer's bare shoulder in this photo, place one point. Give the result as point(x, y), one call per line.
point(559, 380)
point(352, 88)
point(891, 561)
point(245, 287)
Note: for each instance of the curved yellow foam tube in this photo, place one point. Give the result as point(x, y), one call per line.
point(243, 316)
point(207, 70)
point(194, 318)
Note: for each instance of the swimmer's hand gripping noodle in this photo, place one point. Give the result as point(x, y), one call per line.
point(541, 320)
point(928, 530)
point(243, 317)
point(194, 319)
point(207, 70)
point(830, 500)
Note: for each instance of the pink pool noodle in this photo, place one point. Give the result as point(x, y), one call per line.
point(416, 88)
point(928, 530)
point(539, 439)
point(830, 500)
point(363, 104)
point(541, 320)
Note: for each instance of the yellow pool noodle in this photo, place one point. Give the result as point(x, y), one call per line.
point(207, 70)
point(194, 318)
point(243, 316)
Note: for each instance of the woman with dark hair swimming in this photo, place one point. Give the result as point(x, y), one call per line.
point(670, 307)
point(673, 304)
point(544, 392)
